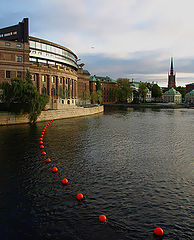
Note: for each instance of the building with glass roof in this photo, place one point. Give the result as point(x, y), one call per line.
point(54, 68)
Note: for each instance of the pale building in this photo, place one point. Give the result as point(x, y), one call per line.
point(172, 96)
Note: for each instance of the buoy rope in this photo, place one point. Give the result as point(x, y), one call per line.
point(114, 224)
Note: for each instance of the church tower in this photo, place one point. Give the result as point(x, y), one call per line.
point(171, 76)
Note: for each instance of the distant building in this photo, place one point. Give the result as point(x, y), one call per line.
point(149, 95)
point(189, 97)
point(171, 76)
point(189, 87)
point(135, 87)
point(107, 86)
point(172, 96)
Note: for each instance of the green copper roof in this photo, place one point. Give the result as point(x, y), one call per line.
point(86, 72)
point(102, 79)
point(190, 94)
point(172, 91)
point(92, 79)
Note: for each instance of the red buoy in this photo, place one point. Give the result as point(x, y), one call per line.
point(41, 142)
point(41, 146)
point(48, 160)
point(55, 170)
point(158, 232)
point(80, 196)
point(102, 218)
point(43, 153)
point(64, 181)
point(41, 139)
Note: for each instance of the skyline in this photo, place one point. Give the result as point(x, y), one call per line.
point(115, 38)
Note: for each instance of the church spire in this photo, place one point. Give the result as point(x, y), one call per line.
point(171, 68)
point(171, 76)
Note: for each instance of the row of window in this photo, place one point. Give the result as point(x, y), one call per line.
point(49, 48)
point(52, 56)
point(53, 79)
point(8, 34)
point(8, 74)
point(9, 44)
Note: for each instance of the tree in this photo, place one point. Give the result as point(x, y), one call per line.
point(22, 97)
point(156, 91)
point(142, 91)
point(149, 86)
point(123, 91)
point(86, 96)
point(96, 96)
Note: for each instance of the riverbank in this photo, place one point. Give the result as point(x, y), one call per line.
point(149, 105)
point(7, 118)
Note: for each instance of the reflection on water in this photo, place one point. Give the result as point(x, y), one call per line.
point(134, 166)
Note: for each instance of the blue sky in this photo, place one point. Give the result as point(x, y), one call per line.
point(118, 38)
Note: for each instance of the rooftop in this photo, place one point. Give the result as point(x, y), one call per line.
point(172, 91)
point(102, 79)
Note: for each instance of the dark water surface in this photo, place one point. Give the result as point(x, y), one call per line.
point(136, 167)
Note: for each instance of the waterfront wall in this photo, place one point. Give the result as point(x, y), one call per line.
point(69, 112)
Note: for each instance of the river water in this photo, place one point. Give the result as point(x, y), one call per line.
point(134, 166)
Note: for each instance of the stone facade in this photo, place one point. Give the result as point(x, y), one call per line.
point(83, 84)
point(107, 87)
point(67, 112)
point(172, 96)
point(14, 60)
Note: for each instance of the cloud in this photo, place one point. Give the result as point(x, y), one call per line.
point(116, 37)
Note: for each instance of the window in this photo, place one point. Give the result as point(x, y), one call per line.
point(19, 59)
point(38, 45)
point(61, 80)
point(32, 44)
point(8, 74)
point(44, 46)
point(52, 79)
point(19, 74)
point(7, 34)
point(7, 44)
point(43, 78)
point(18, 45)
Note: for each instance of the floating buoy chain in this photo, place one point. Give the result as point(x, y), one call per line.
point(102, 218)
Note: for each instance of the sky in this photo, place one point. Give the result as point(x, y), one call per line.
point(116, 38)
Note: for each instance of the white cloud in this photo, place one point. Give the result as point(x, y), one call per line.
point(143, 32)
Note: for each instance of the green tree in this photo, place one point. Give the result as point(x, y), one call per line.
point(21, 96)
point(142, 91)
point(86, 96)
point(96, 96)
point(98, 86)
point(156, 91)
point(149, 86)
point(122, 91)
